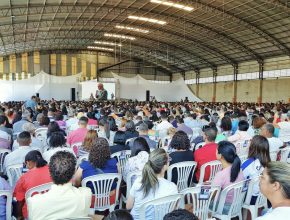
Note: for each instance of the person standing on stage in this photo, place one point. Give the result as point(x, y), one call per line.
point(101, 93)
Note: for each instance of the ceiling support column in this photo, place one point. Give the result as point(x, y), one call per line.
point(214, 76)
point(261, 79)
point(236, 72)
point(197, 82)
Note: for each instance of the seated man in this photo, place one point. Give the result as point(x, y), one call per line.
point(241, 134)
point(63, 200)
point(267, 131)
point(79, 134)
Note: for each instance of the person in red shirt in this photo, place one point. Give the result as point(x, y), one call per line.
point(79, 134)
point(36, 175)
point(207, 153)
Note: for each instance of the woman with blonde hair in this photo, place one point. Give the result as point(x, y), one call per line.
point(88, 142)
point(152, 184)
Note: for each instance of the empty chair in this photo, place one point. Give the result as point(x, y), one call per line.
point(131, 177)
point(233, 209)
point(202, 197)
point(8, 205)
point(260, 202)
point(184, 171)
point(14, 172)
point(3, 153)
point(37, 190)
point(102, 186)
point(122, 157)
point(214, 167)
point(157, 208)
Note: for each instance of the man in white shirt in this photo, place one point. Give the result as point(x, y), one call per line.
point(275, 185)
point(267, 131)
point(18, 156)
point(63, 200)
point(164, 125)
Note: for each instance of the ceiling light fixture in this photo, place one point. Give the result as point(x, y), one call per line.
point(152, 20)
point(173, 4)
point(132, 29)
point(108, 43)
point(119, 36)
point(100, 48)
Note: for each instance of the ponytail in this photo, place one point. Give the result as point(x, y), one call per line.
point(228, 151)
point(236, 167)
point(35, 156)
point(157, 159)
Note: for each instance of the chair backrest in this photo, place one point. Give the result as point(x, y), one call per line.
point(102, 185)
point(214, 167)
point(202, 197)
point(242, 147)
point(93, 127)
point(195, 133)
point(131, 177)
point(38, 190)
point(273, 155)
point(183, 169)
point(75, 147)
point(243, 158)
point(122, 157)
point(41, 133)
point(82, 158)
point(285, 154)
point(158, 208)
point(3, 154)
point(14, 172)
point(199, 145)
point(238, 191)
point(261, 199)
point(8, 205)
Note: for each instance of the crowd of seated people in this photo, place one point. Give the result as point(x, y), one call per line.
point(158, 134)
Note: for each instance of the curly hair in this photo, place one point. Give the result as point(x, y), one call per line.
point(62, 167)
point(180, 141)
point(100, 153)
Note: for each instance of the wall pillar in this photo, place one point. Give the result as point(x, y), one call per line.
point(197, 82)
point(236, 72)
point(214, 75)
point(261, 79)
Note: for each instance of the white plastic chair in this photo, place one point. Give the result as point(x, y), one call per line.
point(273, 156)
point(214, 167)
point(158, 208)
point(75, 147)
point(285, 154)
point(102, 186)
point(81, 159)
point(38, 190)
point(3, 154)
point(14, 172)
point(8, 205)
point(199, 145)
point(200, 206)
point(260, 202)
point(131, 177)
point(122, 158)
point(238, 191)
point(242, 147)
point(93, 127)
point(243, 158)
point(128, 141)
point(41, 134)
point(183, 169)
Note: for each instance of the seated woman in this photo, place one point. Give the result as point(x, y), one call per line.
point(87, 143)
point(56, 143)
point(180, 145)
point(139, 157)
point(119, 142)
point(226, 129)
point(37, 174)
point(152, 185)
point(99, 162)
point(231, 172)
point(258, 158)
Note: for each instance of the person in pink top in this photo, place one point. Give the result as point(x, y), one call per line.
point(231, 172)
point(79, 134)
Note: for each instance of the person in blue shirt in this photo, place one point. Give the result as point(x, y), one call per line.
point(31, 103)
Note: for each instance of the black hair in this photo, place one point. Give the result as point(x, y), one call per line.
point(62, 167)
point(83, 120)
point(179, 120)
point(2, 119)
point(35, 156)
point(24, 138)
point(210, 133)
point(120, 138)
point(243, 125)
point(119, 214)
point(139, 144)
point(180, 141)
point(226, 124)
point(57, 139)
point(180, 214)
point(44, 121)
point(228, 151)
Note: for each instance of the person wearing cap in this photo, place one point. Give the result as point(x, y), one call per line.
point(143, 132)
point(101, 93)
point(25, 118)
